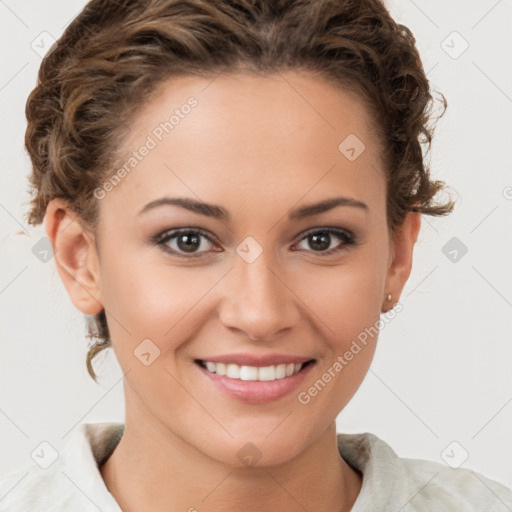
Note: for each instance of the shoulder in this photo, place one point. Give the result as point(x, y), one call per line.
point(70, 482)
point(35, 489)
point(455, 488)
point(414, 484)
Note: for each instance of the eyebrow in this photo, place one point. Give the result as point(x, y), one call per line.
point(218, 212)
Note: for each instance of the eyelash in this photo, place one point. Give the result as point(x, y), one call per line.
point(348, 239)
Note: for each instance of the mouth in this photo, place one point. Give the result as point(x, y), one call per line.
point(254, 373)
point(258, 382)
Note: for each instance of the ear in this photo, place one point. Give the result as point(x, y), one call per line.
point(75, 256)
point(400, 264)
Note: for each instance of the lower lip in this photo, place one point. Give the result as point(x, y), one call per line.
point(255, 391)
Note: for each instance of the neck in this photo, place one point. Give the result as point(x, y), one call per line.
point(143, 474)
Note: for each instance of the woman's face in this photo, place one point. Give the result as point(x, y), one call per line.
point(260, 279)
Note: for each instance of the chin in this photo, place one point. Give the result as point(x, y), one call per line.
point(259, 450)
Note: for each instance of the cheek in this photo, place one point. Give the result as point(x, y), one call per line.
point(347, 299)
point(152, 301)
point(349, 322)
point(348, 302)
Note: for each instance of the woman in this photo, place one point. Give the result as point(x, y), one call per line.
point(233, 191)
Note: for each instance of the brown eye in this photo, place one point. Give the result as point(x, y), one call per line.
point(320, 240)
point(188, 242)
point(185, 242)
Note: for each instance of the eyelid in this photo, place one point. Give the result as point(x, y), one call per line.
point(327, 229)
point(173, 232)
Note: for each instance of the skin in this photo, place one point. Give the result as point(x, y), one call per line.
point(254, 146)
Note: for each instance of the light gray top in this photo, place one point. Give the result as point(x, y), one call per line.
point(73, 482)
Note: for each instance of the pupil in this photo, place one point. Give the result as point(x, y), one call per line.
point(189, 241)
point(322, 240)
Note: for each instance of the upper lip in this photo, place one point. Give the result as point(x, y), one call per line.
point(253, 360)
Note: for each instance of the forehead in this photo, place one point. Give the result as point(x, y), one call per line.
point(256, 134)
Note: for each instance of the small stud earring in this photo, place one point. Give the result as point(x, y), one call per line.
point(389, 296)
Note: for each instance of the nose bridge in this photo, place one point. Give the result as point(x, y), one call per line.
point(257, 301)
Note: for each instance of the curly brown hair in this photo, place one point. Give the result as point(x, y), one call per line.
point(111, 58)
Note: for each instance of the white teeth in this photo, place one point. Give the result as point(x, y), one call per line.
point(267, 373)
point(261, 373)
point(233, 371)
point(280, 371)
point(248, 373)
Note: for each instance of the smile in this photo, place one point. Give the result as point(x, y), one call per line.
point(253, 373)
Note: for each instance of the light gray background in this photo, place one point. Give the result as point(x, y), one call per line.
point(442, 369)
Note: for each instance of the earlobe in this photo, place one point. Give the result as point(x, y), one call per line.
point(402, 256)
point(75, 256)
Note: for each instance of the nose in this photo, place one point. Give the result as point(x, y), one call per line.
point(257, 300)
